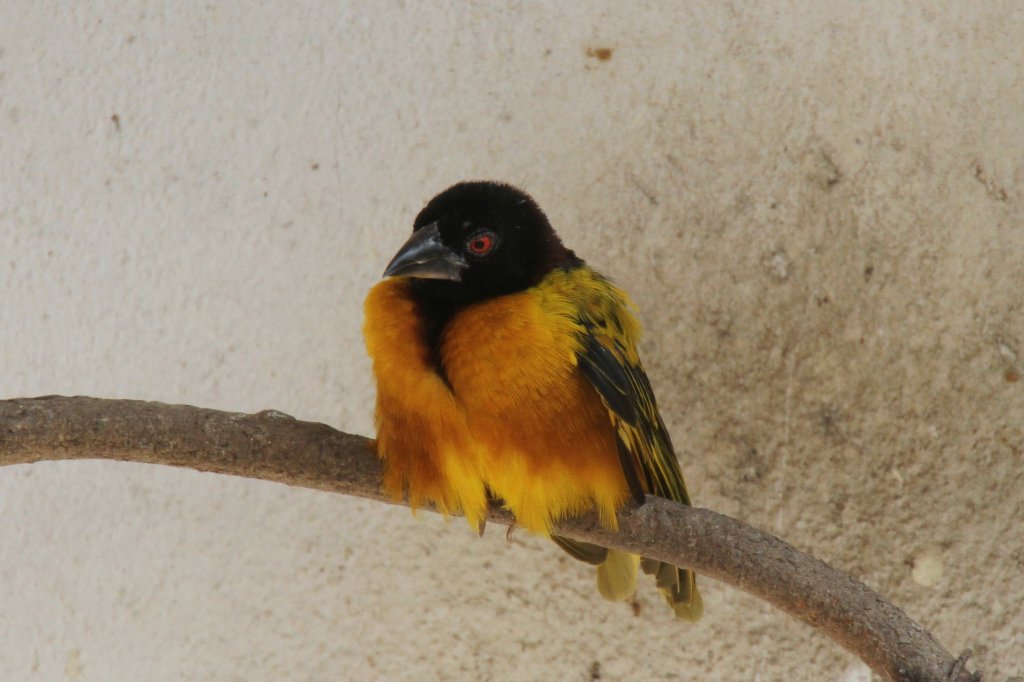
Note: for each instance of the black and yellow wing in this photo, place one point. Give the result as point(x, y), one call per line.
point(609, 360)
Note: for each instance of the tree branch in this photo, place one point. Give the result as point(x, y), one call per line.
point(273, 446)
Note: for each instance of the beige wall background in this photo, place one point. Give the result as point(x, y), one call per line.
point(816, 205)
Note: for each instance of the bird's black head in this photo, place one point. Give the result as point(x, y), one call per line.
point(476, 240)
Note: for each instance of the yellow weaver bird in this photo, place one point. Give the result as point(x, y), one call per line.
point(507, 368)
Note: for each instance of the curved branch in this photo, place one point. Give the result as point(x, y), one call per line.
point(273, 446)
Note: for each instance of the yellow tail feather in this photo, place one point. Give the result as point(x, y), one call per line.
point(616, 577)
point(691, 609)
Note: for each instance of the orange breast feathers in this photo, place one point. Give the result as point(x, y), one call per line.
point(422, 434)
point(518, 419)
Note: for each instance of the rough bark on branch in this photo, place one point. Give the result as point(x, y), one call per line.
point(272, 446)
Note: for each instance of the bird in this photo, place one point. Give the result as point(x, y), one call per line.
point(507, 372)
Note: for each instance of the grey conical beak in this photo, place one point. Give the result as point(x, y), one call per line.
point(425, 256)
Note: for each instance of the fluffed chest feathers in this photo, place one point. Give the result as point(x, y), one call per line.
point(507, 354)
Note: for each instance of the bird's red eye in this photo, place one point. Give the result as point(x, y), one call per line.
point(481, 244)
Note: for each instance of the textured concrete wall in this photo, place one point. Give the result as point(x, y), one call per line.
point(817, 207)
